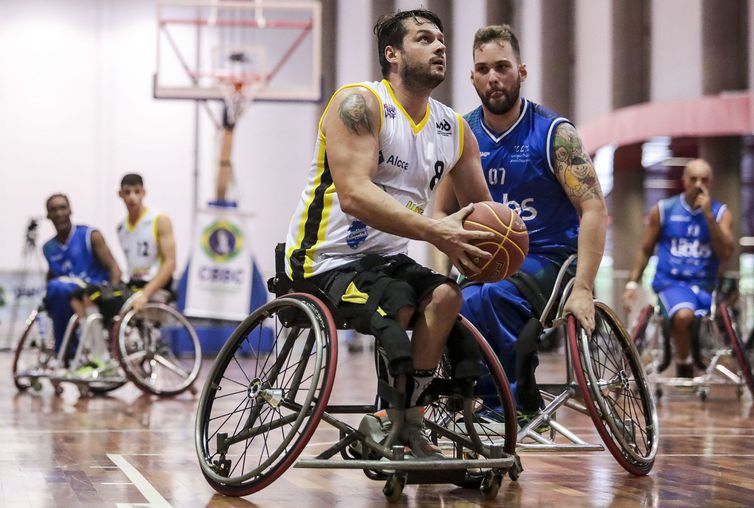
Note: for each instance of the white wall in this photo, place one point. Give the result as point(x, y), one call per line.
point(468, 17)
point(676, 50)
point(593, 37)
point(530, 40)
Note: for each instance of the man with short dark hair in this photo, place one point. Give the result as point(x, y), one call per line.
point(382, 150)
point(77, 255)
point(146, 236)
point(534, 162)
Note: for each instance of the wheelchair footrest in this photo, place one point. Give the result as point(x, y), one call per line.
point(408, 464)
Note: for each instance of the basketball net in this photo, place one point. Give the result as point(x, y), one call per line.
point(237, 94)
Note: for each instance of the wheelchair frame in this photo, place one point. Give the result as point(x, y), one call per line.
point(590, 388)
point(59, 369)
point(718, 325)
point(478, 461)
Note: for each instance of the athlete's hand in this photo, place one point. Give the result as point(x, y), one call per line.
point(704, 201)
point(139, 301)
point(629, 298)
point(452, 239)
point(581, 305)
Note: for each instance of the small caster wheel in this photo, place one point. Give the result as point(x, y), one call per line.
point(658, 393)
point(515, 471)
point(58, 388)
point(491, 485)
point(193, 390)
point(703, 395)
point(393, 488)
point(37, 386)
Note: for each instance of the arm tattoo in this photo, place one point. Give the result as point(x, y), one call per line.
point(573, 167)
point(355, 114)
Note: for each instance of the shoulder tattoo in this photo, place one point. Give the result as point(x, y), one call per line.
point(354, 113)
point(573, 167)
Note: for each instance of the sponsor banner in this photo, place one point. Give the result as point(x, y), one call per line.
point(20, 293)
point(221, 268)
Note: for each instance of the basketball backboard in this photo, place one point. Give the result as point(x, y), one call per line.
point(271, 48)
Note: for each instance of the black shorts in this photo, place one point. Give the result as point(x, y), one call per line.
point(377, 283)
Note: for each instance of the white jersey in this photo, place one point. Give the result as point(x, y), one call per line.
point(412, 160)
point(139, 243)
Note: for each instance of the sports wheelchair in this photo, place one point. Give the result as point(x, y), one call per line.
point(269, 388)
point(716, 349)
point(604, 380)
point(99, 354)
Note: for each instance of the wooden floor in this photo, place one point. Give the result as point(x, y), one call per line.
point(129, 450)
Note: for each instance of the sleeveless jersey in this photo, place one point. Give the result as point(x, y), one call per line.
point(139, 243)
point(412, 159)
point(519, 170)
point(684, 248)
point(76, 257)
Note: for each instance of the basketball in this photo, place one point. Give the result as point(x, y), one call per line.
point(510, 245)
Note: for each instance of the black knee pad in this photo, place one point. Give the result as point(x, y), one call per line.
point(463, 352)
point(526, 349)
point(395, 342)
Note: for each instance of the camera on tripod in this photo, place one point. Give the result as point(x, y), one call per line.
point(32, 231)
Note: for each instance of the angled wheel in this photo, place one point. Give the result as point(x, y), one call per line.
point(639, 330)
point(487, 418)
point(743, 357)
point(158, 349)
point(615, 390)
point(91, 365)
point(34, 355)
point(265, 394)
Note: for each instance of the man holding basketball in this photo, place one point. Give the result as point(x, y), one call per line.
point(692, 233)
point(534, 162)
point(382, 149)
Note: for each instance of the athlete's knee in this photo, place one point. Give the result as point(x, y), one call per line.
point(404, 316)
point(445, 299)
point(683, 319)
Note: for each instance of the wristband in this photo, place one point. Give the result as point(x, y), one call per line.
point(632, 285)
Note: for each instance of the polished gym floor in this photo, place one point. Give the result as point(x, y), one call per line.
point(131, 450)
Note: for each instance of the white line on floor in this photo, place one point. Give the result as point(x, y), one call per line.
point(154, 499)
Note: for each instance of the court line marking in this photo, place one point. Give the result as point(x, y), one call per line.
point(154, 499)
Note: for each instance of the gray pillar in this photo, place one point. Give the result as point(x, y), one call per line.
point(724, 155)
point(626, 208)
point(444, 9)
point(631, 39)
point(329, 48)
point(557, 57)
point(504, 12)
point(724, 46)
point(379, 7)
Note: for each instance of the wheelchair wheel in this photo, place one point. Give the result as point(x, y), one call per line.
point(158, 349)
point(639, 332)
point(615, 390)
point(743, 357)
point(102, 374)
point(491, 411)
point(265, 394)
point(34, 355)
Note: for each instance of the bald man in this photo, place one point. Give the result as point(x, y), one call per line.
point(692, 233)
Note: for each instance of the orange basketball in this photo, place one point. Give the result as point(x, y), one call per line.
point(510, 245)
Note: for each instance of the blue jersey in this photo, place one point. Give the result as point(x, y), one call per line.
point(76, 257)
point(519, 170)
point(684, 248)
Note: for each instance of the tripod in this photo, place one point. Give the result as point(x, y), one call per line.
point(31, 263)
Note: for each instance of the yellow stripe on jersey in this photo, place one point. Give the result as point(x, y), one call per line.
point(414, 127)
point(460, 137)
point(132, 227)
point(305, 213)
point(160, 257)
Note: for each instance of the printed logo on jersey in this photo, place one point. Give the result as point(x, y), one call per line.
point(396, 161)
point(222, 241)
point(484, 154)
point(357, 234)
point(381, 158)
point(685, 248)
point(390, 111)
point(520, 153)
point(444, 128)
point(525, 209)
point(414, 207)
